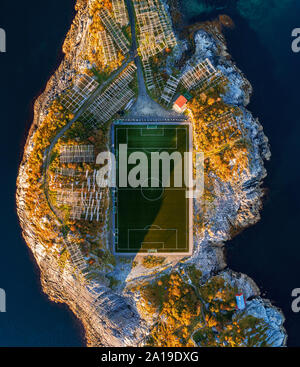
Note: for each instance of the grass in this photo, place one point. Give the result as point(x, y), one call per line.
point(113, 282)
point(101, 76)
point(65, 230)
point(152, 261)
point(151, 219)
point(194, 274)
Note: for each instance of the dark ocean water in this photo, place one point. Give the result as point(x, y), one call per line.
point(35, 32)
point(268, 252)
point(261, 46)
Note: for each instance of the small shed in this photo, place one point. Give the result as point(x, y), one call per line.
point(240, 301)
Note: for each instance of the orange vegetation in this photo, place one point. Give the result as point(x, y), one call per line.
point(90, 47)
point(177, 309)
point(218, 134)
point(183, 315)
point(225, 327)
point(93, 50)
point(36, 203)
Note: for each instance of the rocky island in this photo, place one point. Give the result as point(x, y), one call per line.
point(125, 65)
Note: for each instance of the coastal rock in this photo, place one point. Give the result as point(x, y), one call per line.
point(206, 46)
point(263, 309)
point(244, 284)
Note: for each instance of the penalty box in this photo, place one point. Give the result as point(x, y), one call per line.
point(152, 220)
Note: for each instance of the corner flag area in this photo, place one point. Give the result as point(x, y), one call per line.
point(152, 218)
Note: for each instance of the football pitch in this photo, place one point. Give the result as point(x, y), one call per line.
point(151, 218)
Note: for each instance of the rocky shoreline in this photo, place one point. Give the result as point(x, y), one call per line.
point(111, 318)
point(248, 196)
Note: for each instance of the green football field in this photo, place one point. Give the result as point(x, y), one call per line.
point(151, 219)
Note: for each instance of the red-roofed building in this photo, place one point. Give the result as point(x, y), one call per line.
point(180, 104)
point(240, 302)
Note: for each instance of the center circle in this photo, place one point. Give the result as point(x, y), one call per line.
point(152, 193)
